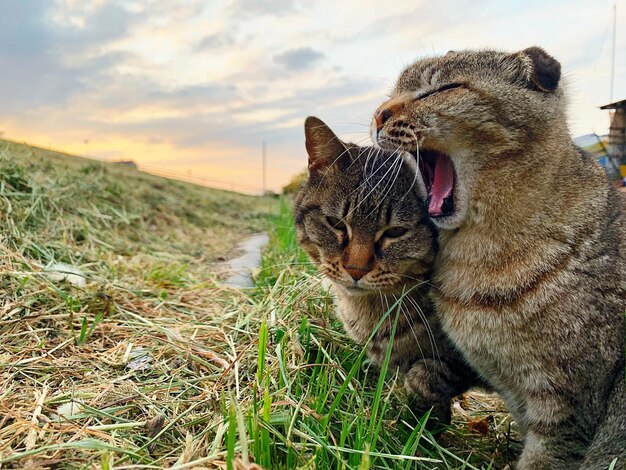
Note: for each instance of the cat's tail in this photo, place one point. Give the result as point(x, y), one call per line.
point(609, 443)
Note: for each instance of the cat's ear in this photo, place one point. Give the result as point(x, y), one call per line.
point(323, 146)
point(542, 70)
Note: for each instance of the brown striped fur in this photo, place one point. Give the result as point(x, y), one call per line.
point(360, 218)
point(531, 272)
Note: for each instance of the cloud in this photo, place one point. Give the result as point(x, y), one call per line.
point(48, 56)
point(216, 41)
point(30, 75)
point(299, 59)
point(190, 82)
point(22, 30)
point(255, 8)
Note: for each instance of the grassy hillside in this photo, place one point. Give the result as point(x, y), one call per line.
point(152, 364)
point(69, 209)
point(147, 246)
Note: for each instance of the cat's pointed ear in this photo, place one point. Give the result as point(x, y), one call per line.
point(543, 70)
point(323, 146)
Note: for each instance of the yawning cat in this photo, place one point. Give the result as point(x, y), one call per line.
point(531, 272)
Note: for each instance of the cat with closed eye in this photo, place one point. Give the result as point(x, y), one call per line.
point(531, 266)
point(359, 216)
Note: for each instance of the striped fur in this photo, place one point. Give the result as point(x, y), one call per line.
point(532, 266)
point(372, 191)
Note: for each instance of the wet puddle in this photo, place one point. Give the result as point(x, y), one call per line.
point(240, 269)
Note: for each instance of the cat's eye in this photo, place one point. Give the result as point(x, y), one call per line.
point(394, 232)
point(448, 86)
point(336, 223)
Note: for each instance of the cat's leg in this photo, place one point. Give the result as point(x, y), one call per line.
point(556, 438)
point(609, 443)
point(551, 449)
point(432, 378)
point(516, 409)
point(431, 385)
point(428, 385)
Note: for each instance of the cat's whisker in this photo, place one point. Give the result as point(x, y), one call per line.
point(411, 326)
point(408, 320)
point(384, 189)
point(354, 160)
point(387, 309)
point(376, 186)
point(429, 330)
point(398, 163)
point(420, 280)
point(371, 151)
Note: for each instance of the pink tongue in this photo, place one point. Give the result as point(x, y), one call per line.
point(442, 184)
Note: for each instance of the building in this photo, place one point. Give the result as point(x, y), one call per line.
point(617, 135)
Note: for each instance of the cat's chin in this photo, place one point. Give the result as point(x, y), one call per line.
point(355, 291)
point(360, 291)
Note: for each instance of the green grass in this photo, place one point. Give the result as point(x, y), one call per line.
point(153, 364)
point(319, 402)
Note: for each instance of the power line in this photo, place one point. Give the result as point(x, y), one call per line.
point(186, 175)
point(205, 180)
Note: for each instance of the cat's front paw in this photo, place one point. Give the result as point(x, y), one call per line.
point(431, 380)
point(427, 384)
point(439, 413)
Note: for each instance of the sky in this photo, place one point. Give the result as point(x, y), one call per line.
point(196, 86)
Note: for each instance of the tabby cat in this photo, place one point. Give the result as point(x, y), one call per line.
point(531, 271)
point(360, 218)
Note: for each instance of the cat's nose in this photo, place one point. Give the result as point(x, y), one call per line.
point(357, 272)
point(382, 116)
point(358, 258)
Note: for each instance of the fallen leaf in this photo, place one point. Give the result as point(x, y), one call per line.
point(480, 425)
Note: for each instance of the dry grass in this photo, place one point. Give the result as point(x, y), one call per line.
point(152, 364)
point(146, 246)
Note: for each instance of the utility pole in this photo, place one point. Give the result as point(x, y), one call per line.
point(264, 163)
point(613, 56)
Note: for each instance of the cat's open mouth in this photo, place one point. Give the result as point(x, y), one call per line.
point(437, 171)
